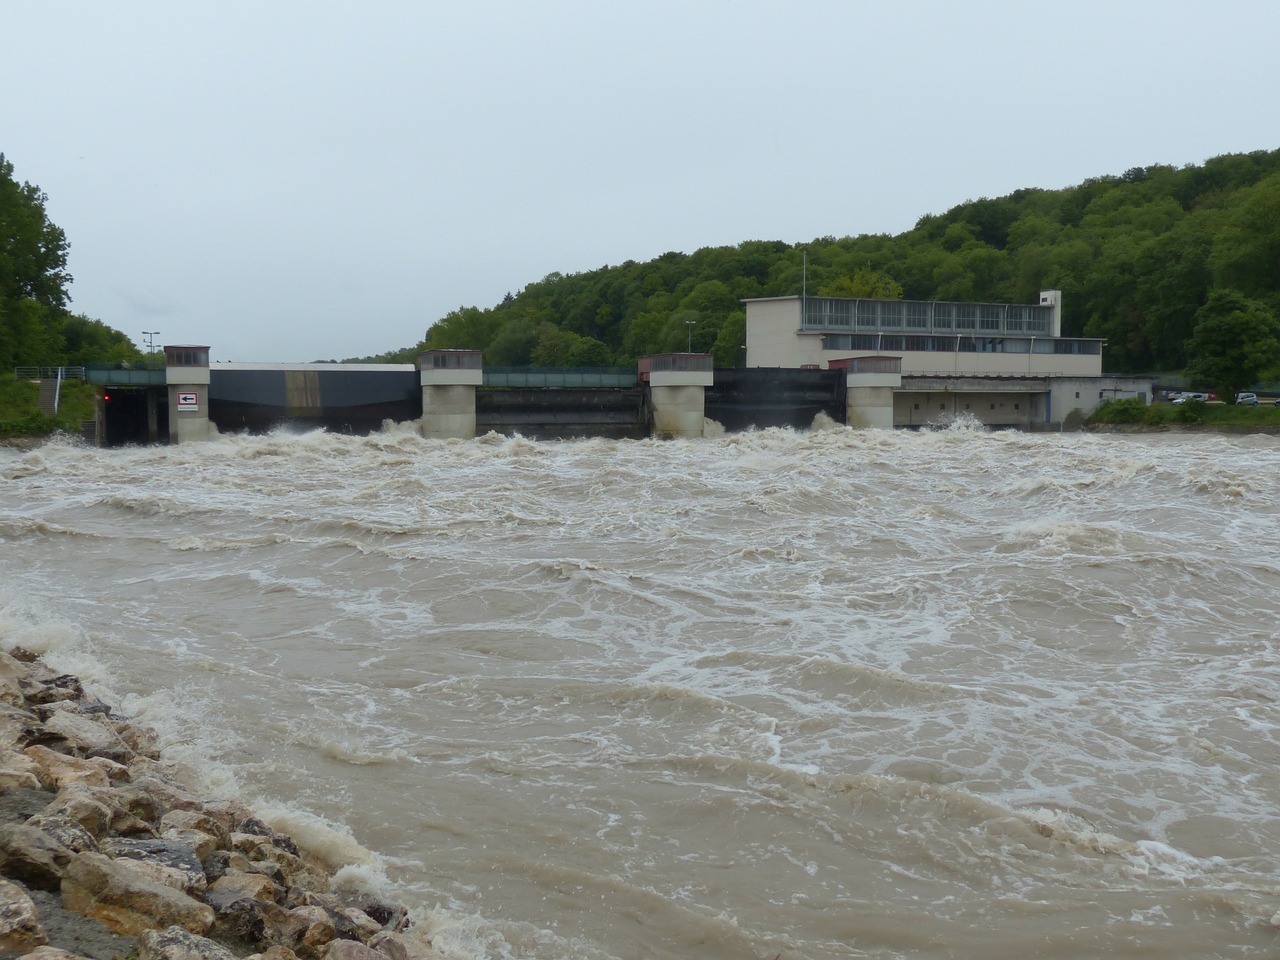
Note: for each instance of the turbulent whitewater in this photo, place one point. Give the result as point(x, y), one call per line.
point(812, 695)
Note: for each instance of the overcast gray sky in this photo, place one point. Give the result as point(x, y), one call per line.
point(323, 179)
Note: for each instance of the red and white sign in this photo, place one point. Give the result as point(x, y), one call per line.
point(188, 401)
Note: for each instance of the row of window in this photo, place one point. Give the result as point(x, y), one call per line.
point(968, 406)
point(925, 315)
point(958, 344)
point(186, 357)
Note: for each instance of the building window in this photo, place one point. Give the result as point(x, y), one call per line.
point(1077, 394)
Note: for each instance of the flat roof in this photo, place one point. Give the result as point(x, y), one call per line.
point(361, 367)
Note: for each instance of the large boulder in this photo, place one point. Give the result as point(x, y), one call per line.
point(51, 953)
point(79, 804)
point(32, 856)
point(175, 943)
point(172, 862)
point(234, 886)
point(193, 819)
point(18, 772)
point(12, 673)
point(57, 770)
point(350, 950)
point(41, 685)
point(20, 928)
point(65, 831)
point(122, 895)
point(17, 725)
point(86, 735)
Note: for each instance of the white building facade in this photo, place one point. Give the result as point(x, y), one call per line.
point(1002, 364)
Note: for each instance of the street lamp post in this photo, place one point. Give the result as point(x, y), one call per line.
point(689, 324)
point(151, 339)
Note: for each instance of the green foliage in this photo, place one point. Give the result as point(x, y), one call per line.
point(865, 282)
point(1136, 256)
point(33, 277)
point(1246, 247)
point(1133, 412)
point(1125, 410)
point(92, 341)
point(1189, 411)
point(1235, 342)
point(20, 414)
point(36, 329)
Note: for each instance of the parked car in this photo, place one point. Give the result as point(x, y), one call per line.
point(1248, 399)
point(1202, 397)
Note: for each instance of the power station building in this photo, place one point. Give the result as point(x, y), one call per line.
point(1002, 364)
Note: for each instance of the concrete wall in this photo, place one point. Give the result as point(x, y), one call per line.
point(870, 406)
point(188, 422)
point(1072, 399)
point(449, 411)
point(771, 334)
point(678, 411)
point(916, 408)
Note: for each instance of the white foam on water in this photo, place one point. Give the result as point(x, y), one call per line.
point(770, 675)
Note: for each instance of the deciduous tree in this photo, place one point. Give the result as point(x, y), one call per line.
point(33, 275)
point(1235, 342)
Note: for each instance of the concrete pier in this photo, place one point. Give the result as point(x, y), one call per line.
point(677, 392)
point(870, 383)
point(187, 380)
point(449, 379)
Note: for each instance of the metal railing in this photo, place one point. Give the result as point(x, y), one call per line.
point(559, 376)
point(150, 364)
point(680, 363)
point(874, 365)
point(49, 373)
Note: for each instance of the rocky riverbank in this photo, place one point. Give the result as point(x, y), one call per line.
point(103, 853)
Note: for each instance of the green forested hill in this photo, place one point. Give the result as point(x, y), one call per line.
point(1170, 265)
point(1138, 257)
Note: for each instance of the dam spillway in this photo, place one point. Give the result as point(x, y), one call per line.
point(145, 405)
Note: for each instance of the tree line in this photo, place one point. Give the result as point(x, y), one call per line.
point(1175, 267)
point(1168, 265)
point(37, 328)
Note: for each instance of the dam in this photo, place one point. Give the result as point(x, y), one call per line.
point(453, 395)
point(187, 398)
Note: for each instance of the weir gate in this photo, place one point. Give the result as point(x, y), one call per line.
point(454, 396)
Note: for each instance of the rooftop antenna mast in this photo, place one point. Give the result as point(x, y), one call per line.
point(804, 284)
